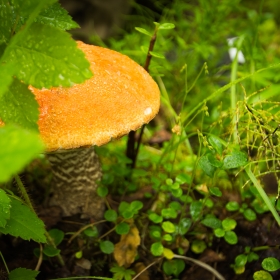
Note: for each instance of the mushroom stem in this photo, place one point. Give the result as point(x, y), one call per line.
point(74, 184)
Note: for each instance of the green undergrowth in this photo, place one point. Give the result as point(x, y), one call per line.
point(202, 169)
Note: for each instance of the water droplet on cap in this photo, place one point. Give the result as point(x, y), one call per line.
point(148, 111)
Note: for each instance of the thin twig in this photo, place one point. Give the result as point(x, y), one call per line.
point(40, 260)
point(2, 257)
point(147, 267)
point(151, 47)
point(106, 233)
point(131, 150)
point(82, 229)
point(50, 241)
point(201, 264)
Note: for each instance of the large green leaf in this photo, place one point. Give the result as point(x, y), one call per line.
point(24, 13)
point(15, 14)
point(48, 57)
point(5, 205)
point(7, 16)
point(23, 274)
point(24, 223)
point(56, 16)
point(18, 105)
point(6, 73)
point(19, 147)
point(26, 7)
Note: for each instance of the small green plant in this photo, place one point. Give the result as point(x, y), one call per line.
point(50, 250)
point(121, 273)
point(222, 229)
point(241, 260)
point(248, 213)
point(218, 156)
point(173, 267)
point(268, 264)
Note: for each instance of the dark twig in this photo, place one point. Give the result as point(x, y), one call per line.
point(151, 47)
point(132, 148)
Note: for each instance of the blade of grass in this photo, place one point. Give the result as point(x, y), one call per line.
point(262, 194)
point(224, 88)
point(233, 98)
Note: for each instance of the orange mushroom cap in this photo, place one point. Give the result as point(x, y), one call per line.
point(120, 97)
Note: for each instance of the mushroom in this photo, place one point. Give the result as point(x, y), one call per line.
point(120, 97)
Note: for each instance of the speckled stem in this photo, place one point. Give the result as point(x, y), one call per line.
point(74, 184)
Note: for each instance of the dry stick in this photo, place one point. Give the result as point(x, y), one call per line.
point(40, 260)
point(2, 257)
point(27, 200)
point(108, 232)
point(143, 270)
point(131, 151)
point(201, 264)
point(82, 229)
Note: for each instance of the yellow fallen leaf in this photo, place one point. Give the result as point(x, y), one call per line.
point(126, 250)
point(140, 267)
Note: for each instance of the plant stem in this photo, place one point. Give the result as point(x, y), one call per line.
point(24, 193)
point(201, 264)
point(233, 98)
point(28, 202)
point(131, 150)
point(261, 248)
point(84, 228)
point(164, 98)
point(50, 241)
point(146, 268)
point(4, 262)
point(262, 194)
point(151, 47)
point(40, 260)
